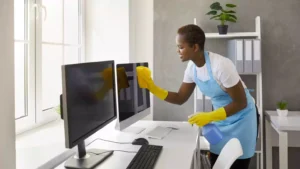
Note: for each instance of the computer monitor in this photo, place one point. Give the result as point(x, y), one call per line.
point(132, 100)
point(89, 103)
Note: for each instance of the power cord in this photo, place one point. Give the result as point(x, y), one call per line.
point(112, 141)
point(111, 151)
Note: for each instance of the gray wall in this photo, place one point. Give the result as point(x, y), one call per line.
point(280, 49)
point(7, 120)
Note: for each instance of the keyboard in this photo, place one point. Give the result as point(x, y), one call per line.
point(146, 157)
point(159, 132)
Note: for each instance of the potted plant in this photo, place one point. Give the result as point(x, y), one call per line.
point(282, 108)
point(223, 15)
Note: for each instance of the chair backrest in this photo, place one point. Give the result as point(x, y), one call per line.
point(230, 152)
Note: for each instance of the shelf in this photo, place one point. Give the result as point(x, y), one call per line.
point(232, 35)
point(249, 73)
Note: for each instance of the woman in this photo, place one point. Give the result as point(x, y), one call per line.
point(216, 77)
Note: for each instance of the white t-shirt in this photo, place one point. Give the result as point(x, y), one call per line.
point(223, 70)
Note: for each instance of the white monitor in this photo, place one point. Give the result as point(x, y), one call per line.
point(132, 100)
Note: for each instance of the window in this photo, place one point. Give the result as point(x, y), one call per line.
point(24, 64)
point(48, 33)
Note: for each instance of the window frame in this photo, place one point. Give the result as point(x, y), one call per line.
point(35, 116)
point(25, 122)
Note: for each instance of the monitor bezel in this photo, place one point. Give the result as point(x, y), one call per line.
point(72, 143)
point(121, 125)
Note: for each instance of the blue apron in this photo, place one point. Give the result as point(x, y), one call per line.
point(242, 125)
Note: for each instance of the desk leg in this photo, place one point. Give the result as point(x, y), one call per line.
point(268, 145)
point(283, 150)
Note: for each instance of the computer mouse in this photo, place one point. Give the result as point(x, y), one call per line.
point(140, 141)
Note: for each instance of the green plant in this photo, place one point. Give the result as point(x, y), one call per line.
point(221, 14)
point(282, 105)
point(57, 109)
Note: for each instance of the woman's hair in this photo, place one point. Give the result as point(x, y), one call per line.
point(193, 34)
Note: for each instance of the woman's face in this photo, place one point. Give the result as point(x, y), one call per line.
point(185, 51)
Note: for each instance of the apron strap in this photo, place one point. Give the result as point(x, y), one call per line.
point(208, 65)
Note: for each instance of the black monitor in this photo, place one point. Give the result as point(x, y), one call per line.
point(89, 103)
point(132, 100)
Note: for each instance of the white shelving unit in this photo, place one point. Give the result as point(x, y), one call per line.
point(259, 102)
point(231, 35)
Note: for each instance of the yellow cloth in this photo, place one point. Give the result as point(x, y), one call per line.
point(203, 118)
point(145, 81)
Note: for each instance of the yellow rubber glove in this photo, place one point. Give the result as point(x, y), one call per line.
point(203, 118)
point(145, 81)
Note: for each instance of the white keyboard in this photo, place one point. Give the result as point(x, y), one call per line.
point(159, 132)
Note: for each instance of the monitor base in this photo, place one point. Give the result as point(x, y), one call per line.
point(134, 130)
point(92, 158)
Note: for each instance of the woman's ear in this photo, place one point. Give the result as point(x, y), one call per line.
point(196, 48)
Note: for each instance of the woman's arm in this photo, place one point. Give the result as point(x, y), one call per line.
point(239, 100)
point(180, 97)
point(184, 93)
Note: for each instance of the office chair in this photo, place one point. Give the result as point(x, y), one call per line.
point(230, 152)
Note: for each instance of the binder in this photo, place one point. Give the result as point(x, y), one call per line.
point(235, 53)
point(248, 56)
point(256, 56)
point(199, 101)
point(208, 104)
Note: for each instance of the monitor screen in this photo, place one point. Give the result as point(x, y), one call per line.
point(88, 98)
point(132, 99)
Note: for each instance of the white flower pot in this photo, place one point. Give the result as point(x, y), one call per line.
point(282, 113)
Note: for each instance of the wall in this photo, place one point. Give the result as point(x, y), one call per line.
point(168, 69)
point(280, 41)
point(7, 120)
point(121, 30)
point(141, 35)
point(106, 30)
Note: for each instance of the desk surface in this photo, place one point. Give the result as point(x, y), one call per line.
point(289, 123)
point(178, 145)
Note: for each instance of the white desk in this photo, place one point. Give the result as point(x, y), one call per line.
point(281, 125)
point(178, 146)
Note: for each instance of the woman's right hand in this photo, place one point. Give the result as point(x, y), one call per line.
point(144, 77)
point(145, 81)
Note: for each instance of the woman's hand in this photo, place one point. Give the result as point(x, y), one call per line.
point(145, 81)
point(203, 118)
point(144, 77)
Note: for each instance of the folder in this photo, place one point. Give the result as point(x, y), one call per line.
point(235, 53)
point(256, 55)
point(208, 104)
point(199, 100)
point(248, 56)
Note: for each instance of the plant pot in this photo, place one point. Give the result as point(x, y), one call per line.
point(282, 113)
point(222, 29)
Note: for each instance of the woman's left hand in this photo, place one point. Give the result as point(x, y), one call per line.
point(203, 118)
point(200, 119)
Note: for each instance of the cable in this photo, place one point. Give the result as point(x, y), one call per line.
point(112, 141)
point(111, 151)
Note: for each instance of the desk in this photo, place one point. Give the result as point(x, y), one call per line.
point(178, 145)
point(282, 125)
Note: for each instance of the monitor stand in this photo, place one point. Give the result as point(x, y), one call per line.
point(129, 129)
point(87, 159)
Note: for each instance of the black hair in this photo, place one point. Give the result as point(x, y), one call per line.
point(193, 34)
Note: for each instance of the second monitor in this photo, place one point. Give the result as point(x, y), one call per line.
point(132, 100)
